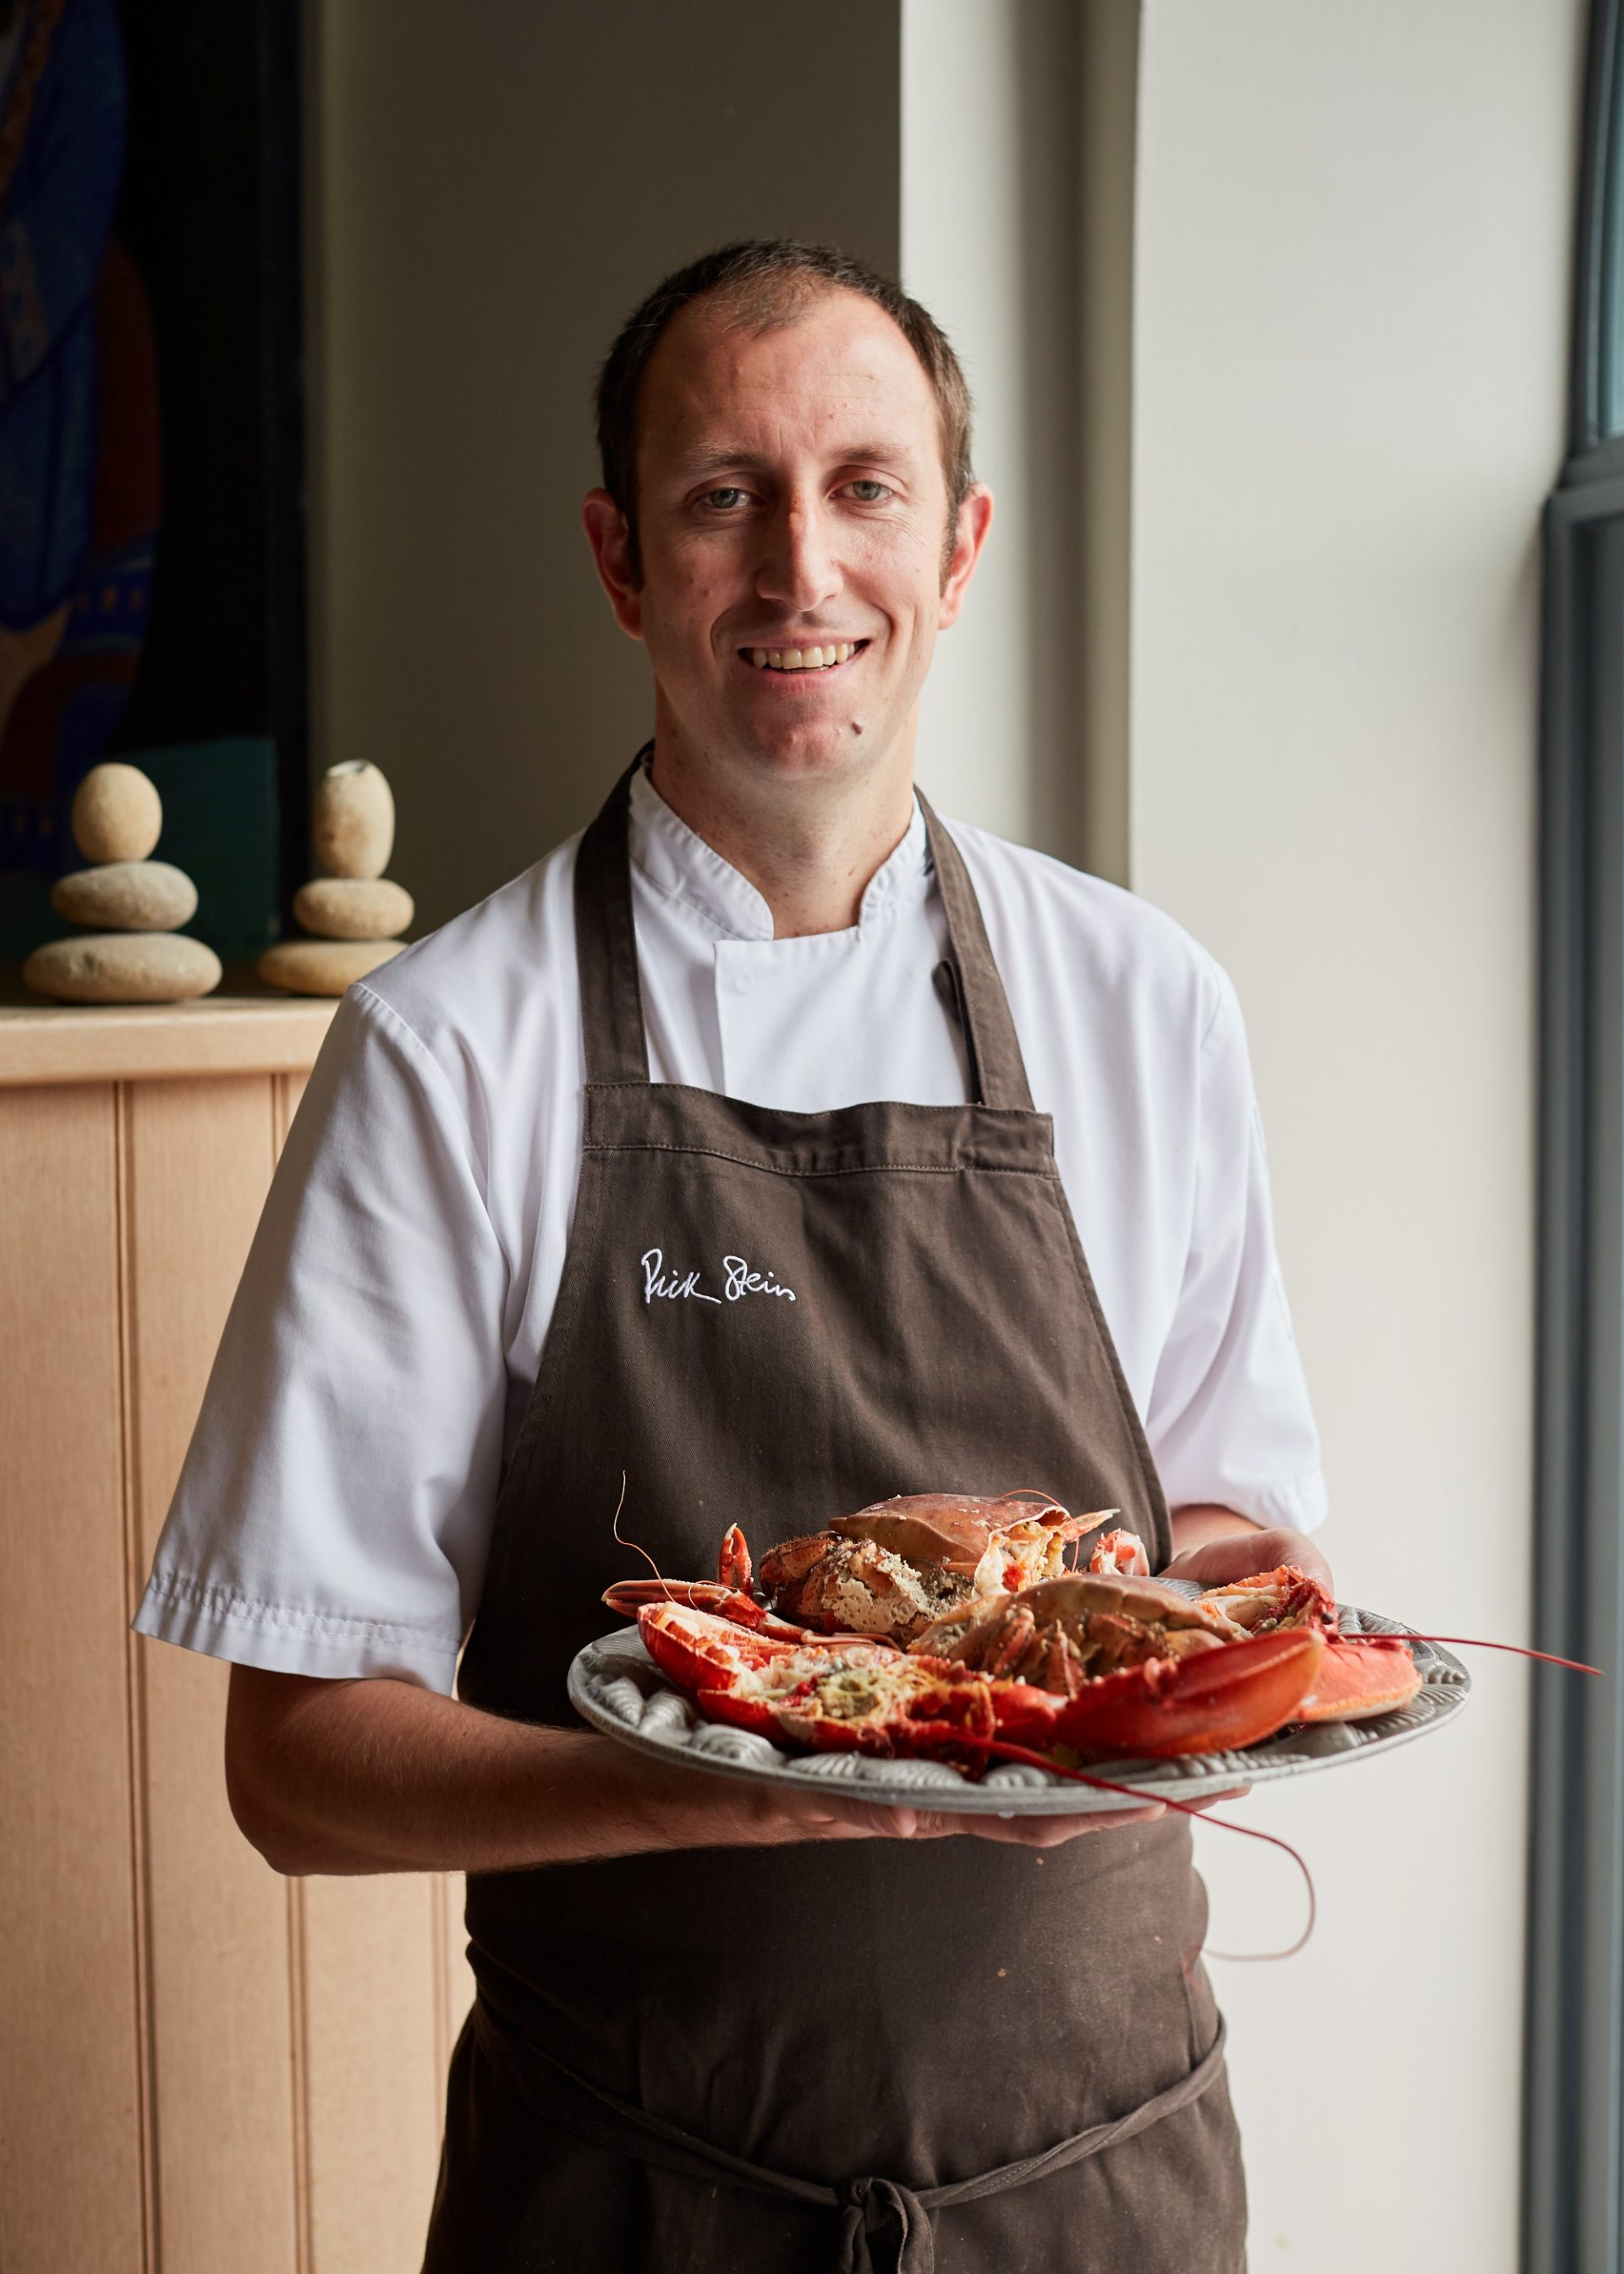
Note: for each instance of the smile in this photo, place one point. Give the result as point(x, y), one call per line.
point(802, 659)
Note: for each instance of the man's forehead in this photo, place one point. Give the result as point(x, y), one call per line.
point(836, 367)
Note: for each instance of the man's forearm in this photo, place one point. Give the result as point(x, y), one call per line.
point(347, 1777)
point(1194, 1526)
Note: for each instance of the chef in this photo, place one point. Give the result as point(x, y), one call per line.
point(774, 1148)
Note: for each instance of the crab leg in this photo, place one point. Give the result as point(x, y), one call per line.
point(628, 1597)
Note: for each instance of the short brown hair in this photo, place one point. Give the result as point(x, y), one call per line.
point(768, 280)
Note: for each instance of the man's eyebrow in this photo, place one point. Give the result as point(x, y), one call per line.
point(722, 459)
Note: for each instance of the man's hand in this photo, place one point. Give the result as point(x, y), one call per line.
point(848, 1820)
point(1211, 1551)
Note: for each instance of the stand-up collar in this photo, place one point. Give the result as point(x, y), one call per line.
point(677, 863)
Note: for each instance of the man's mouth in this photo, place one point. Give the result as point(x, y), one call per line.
point(803, 658)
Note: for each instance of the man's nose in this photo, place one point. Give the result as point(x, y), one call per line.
point(799, 568)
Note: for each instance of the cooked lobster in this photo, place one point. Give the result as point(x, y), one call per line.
point(1002, 1643)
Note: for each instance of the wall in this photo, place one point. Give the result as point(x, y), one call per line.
point(990, 208)
point(1352, 238)
point(485, 210)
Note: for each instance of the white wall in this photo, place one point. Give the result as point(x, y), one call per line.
point(1351, 306)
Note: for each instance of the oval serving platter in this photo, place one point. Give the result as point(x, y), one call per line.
point(615, 1685)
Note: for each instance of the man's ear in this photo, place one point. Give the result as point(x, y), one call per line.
point(610, 537)
point(969, 535)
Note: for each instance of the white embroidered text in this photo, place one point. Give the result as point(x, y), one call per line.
point(738, 1280)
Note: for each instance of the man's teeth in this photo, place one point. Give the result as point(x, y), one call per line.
point(802, 659)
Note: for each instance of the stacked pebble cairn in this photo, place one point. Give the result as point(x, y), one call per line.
point(135, 955)
point(353, 912)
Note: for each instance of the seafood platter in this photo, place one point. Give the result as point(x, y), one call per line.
point(936, 1651)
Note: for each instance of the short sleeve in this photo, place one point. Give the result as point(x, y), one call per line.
point(1229, 1421)
point(332, 1515)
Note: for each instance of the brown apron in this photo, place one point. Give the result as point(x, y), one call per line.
point(874, 2054)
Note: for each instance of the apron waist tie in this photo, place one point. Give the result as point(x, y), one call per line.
point(885, 2228)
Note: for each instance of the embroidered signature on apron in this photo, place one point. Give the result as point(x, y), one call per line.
point(738, 1280)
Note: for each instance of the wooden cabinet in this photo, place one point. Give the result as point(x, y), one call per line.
point(208, 2067)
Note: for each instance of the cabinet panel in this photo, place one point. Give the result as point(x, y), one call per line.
point(373, 2083)
point(71, 2101)
point(197, 1161)
point(206, 2066)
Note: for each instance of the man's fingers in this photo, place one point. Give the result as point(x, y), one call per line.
point(1237, 1556)
point(1218, 1799)
point(852, 1819)
point(1056, 1831)
point(844, 1820)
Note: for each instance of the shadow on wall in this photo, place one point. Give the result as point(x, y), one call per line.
point(460, 311)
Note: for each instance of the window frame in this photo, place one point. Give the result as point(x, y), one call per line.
point(1573, 2068)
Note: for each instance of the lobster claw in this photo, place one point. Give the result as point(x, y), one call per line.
point(1211, 1702)
point(732, 1563)
point(1375, 1673)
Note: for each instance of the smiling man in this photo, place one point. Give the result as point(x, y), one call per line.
point(772, 1149)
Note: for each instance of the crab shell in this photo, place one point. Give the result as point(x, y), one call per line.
point(894, 1568)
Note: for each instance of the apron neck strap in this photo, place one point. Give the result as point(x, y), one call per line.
point(997, 1071)
point(617, 1047)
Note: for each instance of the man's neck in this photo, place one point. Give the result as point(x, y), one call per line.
point(810, 846)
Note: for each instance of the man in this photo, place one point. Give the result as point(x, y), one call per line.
point(722, 2028)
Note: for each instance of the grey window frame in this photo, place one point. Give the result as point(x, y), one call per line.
point(1574, 2073)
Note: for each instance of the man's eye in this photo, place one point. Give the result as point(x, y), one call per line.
point(870, 492)
point(722, 498)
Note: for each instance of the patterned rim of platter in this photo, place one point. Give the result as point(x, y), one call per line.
point(615, 1685)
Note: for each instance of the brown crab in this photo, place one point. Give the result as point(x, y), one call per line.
point(895, 1568)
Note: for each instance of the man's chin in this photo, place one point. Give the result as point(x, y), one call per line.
point(800, 750)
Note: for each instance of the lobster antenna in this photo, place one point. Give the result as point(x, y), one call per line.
point(637, 1549)
point(1104, 1784)
point(1475, 1642)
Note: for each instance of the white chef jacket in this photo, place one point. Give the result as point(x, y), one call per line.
point(334, 1511)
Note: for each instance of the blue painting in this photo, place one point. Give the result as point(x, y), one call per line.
point(78, 418)
point(152, 541)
